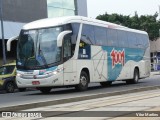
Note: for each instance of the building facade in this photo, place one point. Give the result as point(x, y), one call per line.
point(66, 8)
point(60, 8)
point(17, 13)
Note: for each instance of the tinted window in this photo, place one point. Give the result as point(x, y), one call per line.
point(75, 31)
point(88, 34)
point(145, 40)
point(67, 47)
point(132, 39)
point(100, 36)
point(6, 70)
point(139, 41)
point(112, 37)
point(142, 40)
point(122, 38)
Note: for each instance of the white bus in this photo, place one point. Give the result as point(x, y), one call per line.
point(75, 51)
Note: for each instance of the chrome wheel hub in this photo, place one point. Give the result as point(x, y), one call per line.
point(83, 80)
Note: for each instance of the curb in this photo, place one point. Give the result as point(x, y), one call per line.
point(69, 100)
point(155, 73)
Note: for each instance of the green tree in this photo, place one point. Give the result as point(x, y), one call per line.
point(148, 23)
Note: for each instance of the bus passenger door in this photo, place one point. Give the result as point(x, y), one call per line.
point(67, 61)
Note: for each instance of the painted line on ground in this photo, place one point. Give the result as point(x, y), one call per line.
point(76, 99)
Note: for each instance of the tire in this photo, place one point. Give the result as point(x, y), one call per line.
point(22, 89)
point(128, 82)
point(45, 90)
point(106, 84)
point(10, 87)
point(135, 79)
point(136, 76)
point(84, 81)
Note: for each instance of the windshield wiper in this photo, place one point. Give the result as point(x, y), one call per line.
point(41, 57)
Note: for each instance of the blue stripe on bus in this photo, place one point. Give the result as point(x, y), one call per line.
point(42, 72)
point(130, 54)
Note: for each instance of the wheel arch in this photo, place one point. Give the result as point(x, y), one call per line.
point(10, 80)
point(87, 71)
point(137, 68)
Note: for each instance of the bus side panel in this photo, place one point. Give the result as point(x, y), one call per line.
point(81, 64)
point(99, 63)
point(69, 72)
point(145, 65)
point(122, 62)
point(117, 65)
point(139, 58)
point(84, 61)
point(135, 58)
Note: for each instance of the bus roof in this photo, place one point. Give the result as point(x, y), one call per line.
point(51, 22)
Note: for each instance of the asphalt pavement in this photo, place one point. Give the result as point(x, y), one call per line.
point(133, 106)
point(65, 94)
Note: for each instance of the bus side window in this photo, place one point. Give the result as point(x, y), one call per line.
point(145, 40)
point(122, 38)
point(75, 30)
point(88, 34)
point(112, 37)
point(100, 36)
point(142, 40)
point(67, 47)
point(73, 38)
point(85, 39)
point(139, 41)
point(132, 39)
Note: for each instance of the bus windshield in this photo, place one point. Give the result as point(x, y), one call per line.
point(38, 48)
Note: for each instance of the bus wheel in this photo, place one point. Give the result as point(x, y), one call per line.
point(106, 84)
point(135, 77)
point(128, 82)
point(84, 80)
point(22, 89)
point(10, 86)
point(45, 89)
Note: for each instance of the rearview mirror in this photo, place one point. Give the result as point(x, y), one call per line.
point(9, 42)
point(61, 36)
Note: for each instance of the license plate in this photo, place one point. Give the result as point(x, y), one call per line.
point(35, 83)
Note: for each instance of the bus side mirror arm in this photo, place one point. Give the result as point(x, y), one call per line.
point(9, 42)
point(61, 36)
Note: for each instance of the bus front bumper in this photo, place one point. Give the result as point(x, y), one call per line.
point(54, 80)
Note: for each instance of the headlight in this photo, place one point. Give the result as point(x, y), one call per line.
point(19, 75)
point(57, 71)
